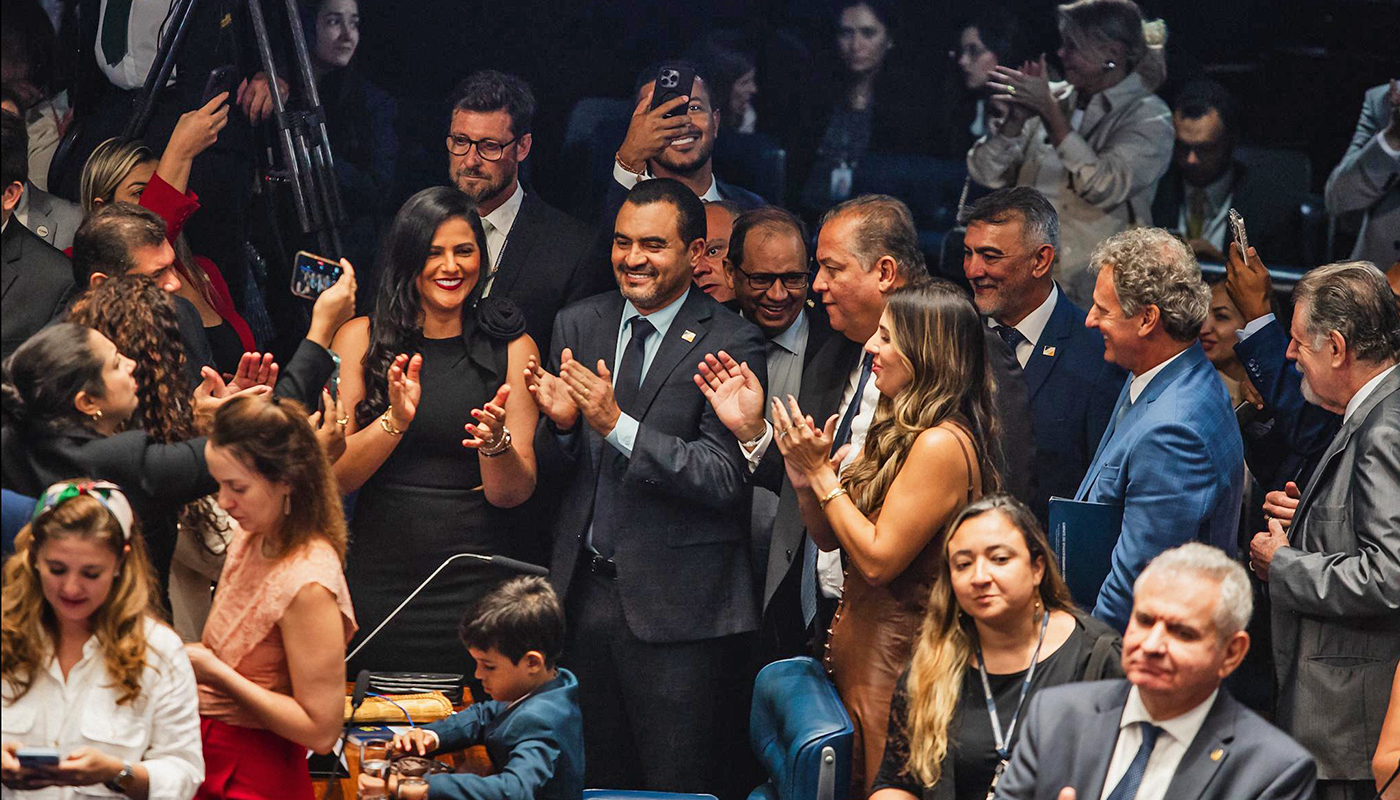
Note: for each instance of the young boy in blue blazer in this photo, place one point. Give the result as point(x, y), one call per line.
point(532, 727)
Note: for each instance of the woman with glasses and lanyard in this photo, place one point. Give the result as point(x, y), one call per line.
point(1000, 626)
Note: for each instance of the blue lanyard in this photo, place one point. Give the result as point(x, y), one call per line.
point(1003, 744)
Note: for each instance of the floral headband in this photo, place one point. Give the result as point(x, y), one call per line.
point(104, 492)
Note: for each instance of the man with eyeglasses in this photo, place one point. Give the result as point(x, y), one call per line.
point(537, 255)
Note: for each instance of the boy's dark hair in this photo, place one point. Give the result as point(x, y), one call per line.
point(488, 90)
point(14, 150)
point(520, 615)
point(108, 237)
point(690, 210)
point(1197, 98)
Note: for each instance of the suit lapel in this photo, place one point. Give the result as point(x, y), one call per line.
point(824, 381)
point(602, 344)
point(1057, 329)
point(1340, 441)
point(12, 252)
point(1207, 753)
point(1099, 741)
point(519, 243)
point(687, 330)
point(1097, 463)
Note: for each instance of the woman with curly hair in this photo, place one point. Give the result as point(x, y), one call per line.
point(924, 458)
point(86, 667)
point(435, 359)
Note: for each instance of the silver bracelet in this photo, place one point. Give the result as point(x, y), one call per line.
point(493, 450)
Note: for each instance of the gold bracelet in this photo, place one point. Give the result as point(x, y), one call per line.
point(387, 425)
point(831, 495)
point(618, 158)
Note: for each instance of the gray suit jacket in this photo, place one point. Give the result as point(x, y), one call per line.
point(1070, 732)
point(53, 219)
point(1368, 179)
point(1335, 593)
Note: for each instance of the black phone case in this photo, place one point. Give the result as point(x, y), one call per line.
point(672, 81)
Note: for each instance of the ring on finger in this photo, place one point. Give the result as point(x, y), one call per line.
point(342, 421)
point(1011, 90)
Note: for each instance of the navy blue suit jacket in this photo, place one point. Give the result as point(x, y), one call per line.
point(537, 746)
point(1175, 463)
point(1072, 392)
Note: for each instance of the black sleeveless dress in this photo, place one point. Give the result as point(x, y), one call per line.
point(425, 504)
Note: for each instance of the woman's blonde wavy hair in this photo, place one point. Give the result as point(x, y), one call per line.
point(105, 170)
point(939, 334)
point(28, 626)
point(944, 648)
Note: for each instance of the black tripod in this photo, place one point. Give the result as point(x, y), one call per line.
point(307, 164)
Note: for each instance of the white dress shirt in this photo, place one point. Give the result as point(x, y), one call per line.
point(829, 576)
point(1140, 382)
point(1364, 392)
point(1177, 735)
point(1033, 326)
point(142, 38)
point(630, 179)
point(158, 730)
point(497, 226)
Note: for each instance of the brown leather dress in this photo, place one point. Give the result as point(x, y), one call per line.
point(871, 642)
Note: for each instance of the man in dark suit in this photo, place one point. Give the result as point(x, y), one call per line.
point(34, 277)
point(1008, 255)
point(538, 255)
point(1334, 573)
point(1205, 181)
point(1172, 458)
point(651, 542)
point(1169, 731)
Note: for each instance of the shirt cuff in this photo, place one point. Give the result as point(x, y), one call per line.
point(755, 455)
point(1380, 140)
point(623, 435)
point(1254, 327)
point(625, 178)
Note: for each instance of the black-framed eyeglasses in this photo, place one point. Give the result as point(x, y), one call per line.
point(763, 281)
point(488, 149)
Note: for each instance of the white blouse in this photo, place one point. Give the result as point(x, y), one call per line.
point(159, 729)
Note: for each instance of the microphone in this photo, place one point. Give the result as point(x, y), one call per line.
point(357, 698)
point(500, 561)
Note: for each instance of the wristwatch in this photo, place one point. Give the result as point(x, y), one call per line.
point(125, 780)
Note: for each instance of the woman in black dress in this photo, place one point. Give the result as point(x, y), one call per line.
point(434, 360)
point(1000, 624)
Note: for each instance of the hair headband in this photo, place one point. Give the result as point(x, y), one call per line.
point(104, 492)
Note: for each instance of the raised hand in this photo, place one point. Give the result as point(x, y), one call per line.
point(1248, 284)
point(404, 390)
point(490, 425)
point(334, 307)
point(592, 393)
point(550, 394)
point(212, 392)
point(735, 394)
point(197, 130)
point(651, 131)
point(254, 369)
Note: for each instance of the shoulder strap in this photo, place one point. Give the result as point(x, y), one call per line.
point(967, 460)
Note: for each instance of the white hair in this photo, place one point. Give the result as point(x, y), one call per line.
point(1235, 603)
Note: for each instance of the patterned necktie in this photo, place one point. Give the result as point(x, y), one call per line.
point(115, 22)
point(1011, 336)
point(1196, 214)
point(1127, 787)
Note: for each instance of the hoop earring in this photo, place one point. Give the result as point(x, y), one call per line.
point(287, 504)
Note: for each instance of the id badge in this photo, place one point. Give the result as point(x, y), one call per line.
point(996, 776)
point(841, 178)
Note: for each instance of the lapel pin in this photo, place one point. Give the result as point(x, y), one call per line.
point(42, 230)
point(1048, 351)
point(688, 336)
point(1217, 754)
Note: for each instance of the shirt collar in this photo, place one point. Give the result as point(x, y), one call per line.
point(504, 216)
point(1364, 392)
point(1183, 727)
point(712, 194)
point(1034, 324)
point(660, 319)
point(793, 336)
point(1140, 382)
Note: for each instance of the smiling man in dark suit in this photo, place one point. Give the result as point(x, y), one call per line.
point(538, 255)
point(651, 543)
point(1008, 255)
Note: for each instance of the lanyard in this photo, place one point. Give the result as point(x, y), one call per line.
point(1003, 743)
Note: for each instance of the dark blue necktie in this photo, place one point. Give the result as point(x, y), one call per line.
point(1011, 336)
point(1127, 787)
point(626, 387)
point(629, 374)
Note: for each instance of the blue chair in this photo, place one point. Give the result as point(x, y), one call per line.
point(754, 161)
point(798, 729)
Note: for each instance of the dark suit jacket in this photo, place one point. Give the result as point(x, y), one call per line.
point(34, 279)
point(537, 746)
point(617, 195)
point(1335, 592)
point(681, 541)
point(1070, 732)
point(1072, 391)
point(1270, 212)
point(546, 266)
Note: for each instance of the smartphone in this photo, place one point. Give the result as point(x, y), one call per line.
point(221, 79)
point(672, 81)
point(313, 274)
point(37, 757)
point(1246, 412)
point(1237, 231)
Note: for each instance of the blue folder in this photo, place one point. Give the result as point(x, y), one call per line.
point(1083, 534)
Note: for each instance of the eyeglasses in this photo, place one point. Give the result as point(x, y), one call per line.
point(762, 282)
point(488, 149)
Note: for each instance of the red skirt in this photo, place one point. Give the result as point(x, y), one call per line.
point(251, 764)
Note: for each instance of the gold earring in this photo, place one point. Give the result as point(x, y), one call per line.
point(287, 504)
point(96, 415)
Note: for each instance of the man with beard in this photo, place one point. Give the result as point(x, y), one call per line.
point(538, 256)
point(651, 543)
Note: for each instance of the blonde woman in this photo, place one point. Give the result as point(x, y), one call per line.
point(1000, 626)
point(87, 669)
point(925, 456)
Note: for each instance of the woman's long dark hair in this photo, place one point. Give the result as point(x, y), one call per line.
point(396, 325)
point(44, 375)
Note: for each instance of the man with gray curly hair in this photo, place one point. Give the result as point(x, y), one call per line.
point(1172, 457)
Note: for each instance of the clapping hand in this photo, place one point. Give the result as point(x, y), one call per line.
point(592, 393)
point(550, 393)
point(1025, 91)
point(651, 131)
point(330, 426)
point(404, 389)
point(734, 392)
point(490, 425)
point(1247, 282)
point(254, 369)
point(254, 378)
point(804, 446)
